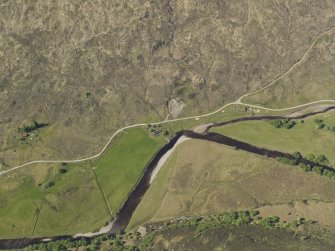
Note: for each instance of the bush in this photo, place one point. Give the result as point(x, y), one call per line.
point(284, 123)
point(269, 221)
point(297, 155)
point(63, 170)
point(320, 125)
point(306, 168)
point(322, 159)
point(277, 123)
point(329, 173)
point(318, 170)
point(287, 161)
point(33, 127)
point(253, 213)
point(310, 156)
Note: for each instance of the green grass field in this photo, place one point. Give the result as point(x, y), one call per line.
point(74, 203)
point(304, 137)
point(229, 113)
point(20, 200)
point(28, 209)
point(120, 168)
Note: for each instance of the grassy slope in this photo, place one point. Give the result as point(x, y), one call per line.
point(225, 180)
point(304, 138)
point(123, 164)
point(75, 204)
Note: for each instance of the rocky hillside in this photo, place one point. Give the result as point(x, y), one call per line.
point(87, 68)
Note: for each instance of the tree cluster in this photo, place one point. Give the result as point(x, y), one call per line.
point(321, 125)
point(32, 127)
point(316, 168)
point(283, 123)
point(115, 243)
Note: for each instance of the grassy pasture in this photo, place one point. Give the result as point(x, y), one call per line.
point(120, 168)
point(304, 137)
point(74, 203)
point(27, 209)
point(225, 180)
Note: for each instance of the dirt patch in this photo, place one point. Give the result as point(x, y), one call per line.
point(201, 129)
point(175, 107)
point(322, 212)
point(285, 212)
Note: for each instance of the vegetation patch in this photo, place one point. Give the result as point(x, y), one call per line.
point(283, 123)
point(304, 137)
point(198, 226)
point(226, 180)
point(29, 131)
point(41, 201)
point(123, 164)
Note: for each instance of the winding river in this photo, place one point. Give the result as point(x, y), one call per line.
point(125, 213)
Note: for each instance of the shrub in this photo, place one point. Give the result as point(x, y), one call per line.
point(322, 159)
point(320, 125)
point(297, 155)
point(310, 156)
point(317, 170)
point(33, 127)
point(287, 161)
point(284, 123)
point(63, 170)
point(277, 123)
point(329, 173)
point(253, 213)
point(306, 168)
point(269, 221)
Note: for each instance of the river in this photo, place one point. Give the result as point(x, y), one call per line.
point(125, 213)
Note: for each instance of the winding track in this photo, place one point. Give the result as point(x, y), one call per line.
point(237, 102)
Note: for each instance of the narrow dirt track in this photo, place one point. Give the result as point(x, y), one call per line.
point(237, 102)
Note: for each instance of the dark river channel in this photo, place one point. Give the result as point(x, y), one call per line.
point(125, 213)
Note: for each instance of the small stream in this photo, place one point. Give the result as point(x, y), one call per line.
point(125, 213)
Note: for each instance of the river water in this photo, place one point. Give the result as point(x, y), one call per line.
point(125, 213)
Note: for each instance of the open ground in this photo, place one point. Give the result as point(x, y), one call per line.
point(230, 180)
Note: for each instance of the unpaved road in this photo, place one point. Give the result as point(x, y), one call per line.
point(237, 102)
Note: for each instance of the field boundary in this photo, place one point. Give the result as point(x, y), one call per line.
point(102, 191)
point(39, 213)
